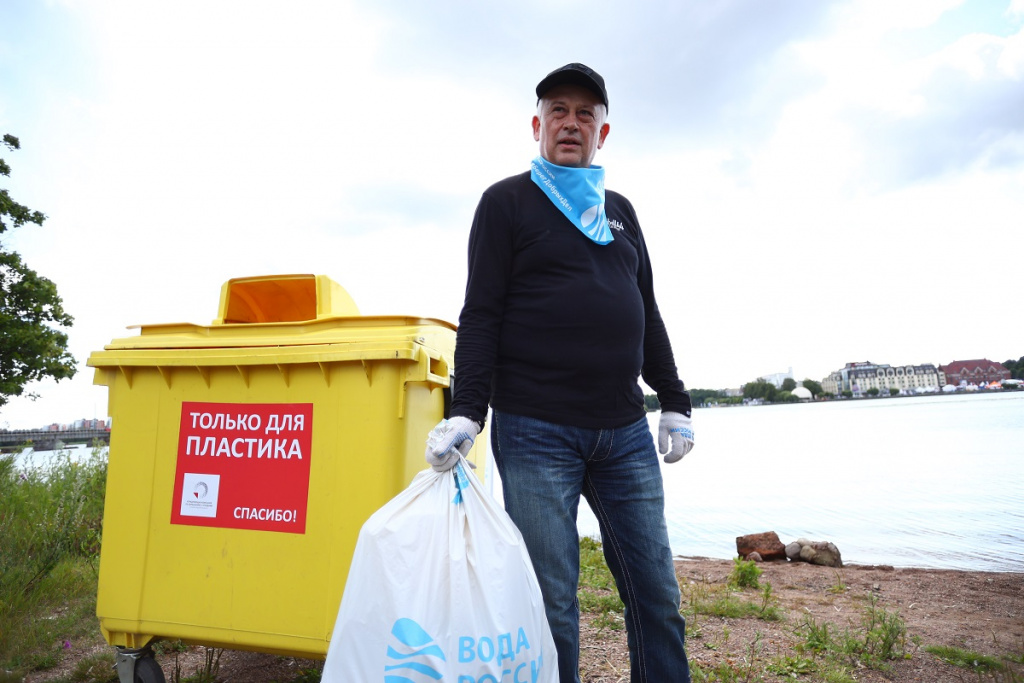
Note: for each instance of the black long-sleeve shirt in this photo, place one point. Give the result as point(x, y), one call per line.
point(555, 326)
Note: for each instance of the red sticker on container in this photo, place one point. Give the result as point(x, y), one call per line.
point(243, 466)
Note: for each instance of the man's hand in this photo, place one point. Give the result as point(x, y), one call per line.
point(678, 428)
point(450, 439)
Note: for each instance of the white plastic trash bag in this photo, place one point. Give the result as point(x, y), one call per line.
point(441, 589)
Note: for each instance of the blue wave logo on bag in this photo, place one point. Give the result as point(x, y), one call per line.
point(411, 649)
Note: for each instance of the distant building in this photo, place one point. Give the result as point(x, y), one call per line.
point(778, 378)
point(981, 371)
point(86, 423)
point(803, 393)
point(858, 378)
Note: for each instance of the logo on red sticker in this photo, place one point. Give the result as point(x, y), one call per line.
point(244, 466)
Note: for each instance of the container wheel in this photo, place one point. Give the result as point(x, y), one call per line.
point(147, 670)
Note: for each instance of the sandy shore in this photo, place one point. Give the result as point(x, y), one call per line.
point(978, 611)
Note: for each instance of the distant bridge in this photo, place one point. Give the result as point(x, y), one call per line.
point(48, 440)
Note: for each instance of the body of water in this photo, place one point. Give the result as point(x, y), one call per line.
point(931, 481)
point(76, 452)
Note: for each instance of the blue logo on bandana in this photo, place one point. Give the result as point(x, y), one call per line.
point(576, 192)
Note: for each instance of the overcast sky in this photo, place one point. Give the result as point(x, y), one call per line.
point(818, 182)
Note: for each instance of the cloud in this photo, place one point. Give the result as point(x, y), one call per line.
point(684, 70)
point(714, 71)
point(970, 113)
point(804, 173)
point(900, 119)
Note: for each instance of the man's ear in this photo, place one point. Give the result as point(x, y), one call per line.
point(536, 129)
point(602, 135)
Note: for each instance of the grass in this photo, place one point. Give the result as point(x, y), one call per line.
point(840, 585)
point(823, 652)
point(95, 668)
point(880, 638)
point(994, 668)
point(51, 517)
point(706, 599)
point(594, 572)
point(50, 521)
point(965, 659)
point(597, 594)
point(730, 601)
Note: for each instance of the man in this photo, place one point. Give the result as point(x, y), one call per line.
point(559, 321)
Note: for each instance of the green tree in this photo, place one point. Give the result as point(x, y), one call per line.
point(760, 389)
point(700, 396)
point(813, 387)
point(788, 384)
point(651, 403)
point(30, 308)
point(893, 391)
point(873, 391)
point(1016, 367)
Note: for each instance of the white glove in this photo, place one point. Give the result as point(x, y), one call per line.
point(679, 428)
point(449, 440)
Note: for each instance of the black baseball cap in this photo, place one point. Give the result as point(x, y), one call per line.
point(577, 74)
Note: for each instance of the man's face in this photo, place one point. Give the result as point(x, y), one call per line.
point(570, 126)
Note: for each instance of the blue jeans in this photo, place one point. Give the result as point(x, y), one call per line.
point(544, 469)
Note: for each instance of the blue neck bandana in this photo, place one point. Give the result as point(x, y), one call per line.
point(576, 192)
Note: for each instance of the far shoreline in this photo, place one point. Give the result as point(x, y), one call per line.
point(880, 397)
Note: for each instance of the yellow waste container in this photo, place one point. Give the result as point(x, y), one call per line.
point(245, 455)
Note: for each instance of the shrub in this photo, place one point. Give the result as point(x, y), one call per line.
point(745, 574)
